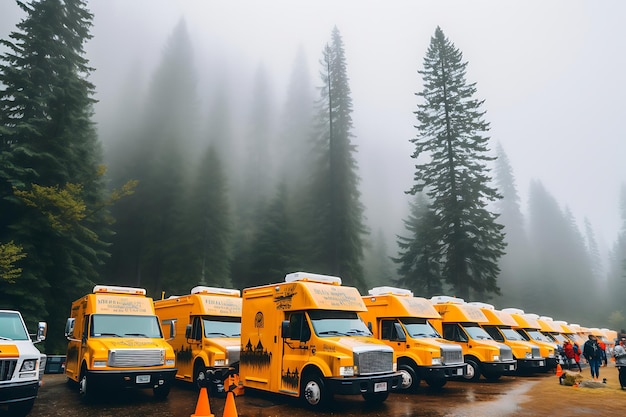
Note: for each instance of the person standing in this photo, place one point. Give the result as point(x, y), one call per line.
point(570, 355)
point(619, 352)
point(591, 352)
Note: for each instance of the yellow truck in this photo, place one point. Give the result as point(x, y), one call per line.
point(115, 340)
point(402, 321)
point(530, 329)
point(461, 323)
point(21, 363)
point(304, 338)
point(207, 331)
point(500, 328)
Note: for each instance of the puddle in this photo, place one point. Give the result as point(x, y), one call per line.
point(506, 403)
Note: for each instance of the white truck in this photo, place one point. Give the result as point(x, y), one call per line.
point(21, 363)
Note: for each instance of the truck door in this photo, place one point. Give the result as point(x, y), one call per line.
point(296, 349)
point(392, 334)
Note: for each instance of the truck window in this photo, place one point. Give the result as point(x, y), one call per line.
point(328, 323)
point(494, 333)
point(221, 326)
point(119, 325)
point(11, 327)
point(196, 329)
point(298, 327)
point(454, 332)
point(476, 332)
point(419, 327)
point(388, 330)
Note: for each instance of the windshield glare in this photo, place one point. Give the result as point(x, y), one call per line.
point(221, 326)
point(337, 323)
point(119, 325)
point(11, 327)
point(418, 328)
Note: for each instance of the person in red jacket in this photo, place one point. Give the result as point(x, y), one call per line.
point(571, 356)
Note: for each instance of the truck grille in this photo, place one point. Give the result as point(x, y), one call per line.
point(535, 350)
point(130, 358)
point(373, 362)
point(506, 354)
point(451, 355)
point(232, 354)
point(7, 367)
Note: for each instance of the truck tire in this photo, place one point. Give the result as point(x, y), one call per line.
point(492, 376)
point(199, 375)
point(473, 370)
point(409, 379)
point(436, 383)
point(22, 408)
point(84, 385)
point(314, 392)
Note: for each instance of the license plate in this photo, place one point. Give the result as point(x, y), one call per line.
point(459, 371)
point(142, 379)
point(380, 386)
point(511, 367)
point(540, 363)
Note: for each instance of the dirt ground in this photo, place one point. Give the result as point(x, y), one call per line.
point(548, 398)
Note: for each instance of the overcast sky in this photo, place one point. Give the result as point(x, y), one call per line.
point(551, 74)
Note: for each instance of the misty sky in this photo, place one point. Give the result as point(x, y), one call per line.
point(551, 74)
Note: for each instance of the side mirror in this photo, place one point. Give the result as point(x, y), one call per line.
point(284, 329)
point(69, 328)
point(400, 332)
point(42, 330)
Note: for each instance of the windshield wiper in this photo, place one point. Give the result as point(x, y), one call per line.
point(136, 334)
point(5, 338)
point(108, 334)
point(216, 333)
point(333, 332)
point(357, 331)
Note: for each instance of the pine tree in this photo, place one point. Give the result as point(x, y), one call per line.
point(616, 279)
point(47, 139)
point(452, 153)
point(420, 257)
point(334, 207)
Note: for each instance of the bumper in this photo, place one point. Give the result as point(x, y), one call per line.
point(530, 364)
point(364, 385)
point(551, 363)
point(443, 371)
point(19, 391)
point(499, 367)
point(131, 378)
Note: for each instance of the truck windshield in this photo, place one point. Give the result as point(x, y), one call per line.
point(476, 332)
point(11, 327)
point(419, 328)
point(511, 334)
point(327, 323)
point(120, 325)
point(221, 326)
point(538, 336)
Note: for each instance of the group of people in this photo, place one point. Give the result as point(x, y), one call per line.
point(594, 352)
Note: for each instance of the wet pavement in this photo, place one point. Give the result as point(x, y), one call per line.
point(457, 398)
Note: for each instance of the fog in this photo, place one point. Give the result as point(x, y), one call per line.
point(550, 74)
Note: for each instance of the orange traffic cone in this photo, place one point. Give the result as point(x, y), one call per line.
point(203, 408)
point(559, 370)
point(229, 408)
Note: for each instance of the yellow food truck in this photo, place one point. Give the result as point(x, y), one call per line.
point(207, 335)
point(529, 328)
point(115, 340)
point(304, 338)
point(403, 322)
point(461, 323)
point(500, 328)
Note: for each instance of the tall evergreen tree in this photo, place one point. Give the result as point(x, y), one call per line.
point(616, 279)
point(420, 251)
point(451, 147)
point(47, 138)
point(334, 207)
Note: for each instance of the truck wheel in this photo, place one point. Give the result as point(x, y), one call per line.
point(21, 408)
point(473, 371)
point(436, 383)
point(199, 375)
point(409, 381)
point(375, 397)
point(492, 376)
point(314, 392)
point(84, 385)
point(162, 391)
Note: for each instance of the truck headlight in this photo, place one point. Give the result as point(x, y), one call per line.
point(28, 365)
point(496, 358)
point(529, 355)
point(219, 362)
point(99, 364)
point(346, 370)
point(436, 361)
